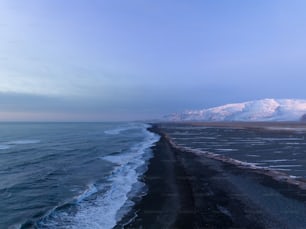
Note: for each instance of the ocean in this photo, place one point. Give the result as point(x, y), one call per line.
point(71, 175)
point(281, 150)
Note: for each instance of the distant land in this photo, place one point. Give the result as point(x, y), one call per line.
point(257, 110)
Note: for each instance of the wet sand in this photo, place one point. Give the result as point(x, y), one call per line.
point(190, 190)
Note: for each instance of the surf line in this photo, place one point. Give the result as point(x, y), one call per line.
point(274, 174)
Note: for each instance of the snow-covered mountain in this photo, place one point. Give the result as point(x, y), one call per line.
point(258, 110)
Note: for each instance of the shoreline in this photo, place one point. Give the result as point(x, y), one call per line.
point(159, 207)
point(278, 176)
point(190, 190)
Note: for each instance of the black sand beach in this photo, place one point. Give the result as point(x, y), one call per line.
point(186, 190)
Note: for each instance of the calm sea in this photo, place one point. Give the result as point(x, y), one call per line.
point(71, 175)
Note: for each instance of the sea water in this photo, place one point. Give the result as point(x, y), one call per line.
point(71, 175)
point(278, 150)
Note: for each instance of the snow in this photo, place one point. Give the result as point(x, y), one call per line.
point(257, 110)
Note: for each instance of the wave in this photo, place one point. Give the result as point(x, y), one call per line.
point(8, 145)
point(4, 146)
point(120, 129)
point(275, 172)
point(49, 218)
point(92, 189)
point(109, 206)
point(24, 142)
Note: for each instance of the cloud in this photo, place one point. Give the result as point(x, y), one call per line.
point(145, 59)
point(116, 107)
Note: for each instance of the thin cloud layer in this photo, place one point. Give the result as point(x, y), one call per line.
point(138, 59)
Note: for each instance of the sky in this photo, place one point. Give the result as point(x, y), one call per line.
point(98, 60)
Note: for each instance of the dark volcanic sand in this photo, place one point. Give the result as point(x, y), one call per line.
point(192, 191)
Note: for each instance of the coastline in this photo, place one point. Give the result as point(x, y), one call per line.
point(189, 190)
point(159, 207)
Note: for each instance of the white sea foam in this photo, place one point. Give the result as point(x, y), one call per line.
point(284, 166)
point(109, 208)
point(24, 142)
point(104, 213)
point(253, 155)
point(278, 152)
point(4, 146)
point(294, 177)
point(280, 139)
point(226, 150)
point(286, 170)
point(278, 160)
point(10, 144)
point(297, 129)
point(88, 192)
point(293, 143)
point(120, 129)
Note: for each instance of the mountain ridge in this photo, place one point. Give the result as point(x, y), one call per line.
point(255, 110)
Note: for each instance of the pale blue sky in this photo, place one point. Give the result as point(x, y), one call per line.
point(110, 60)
